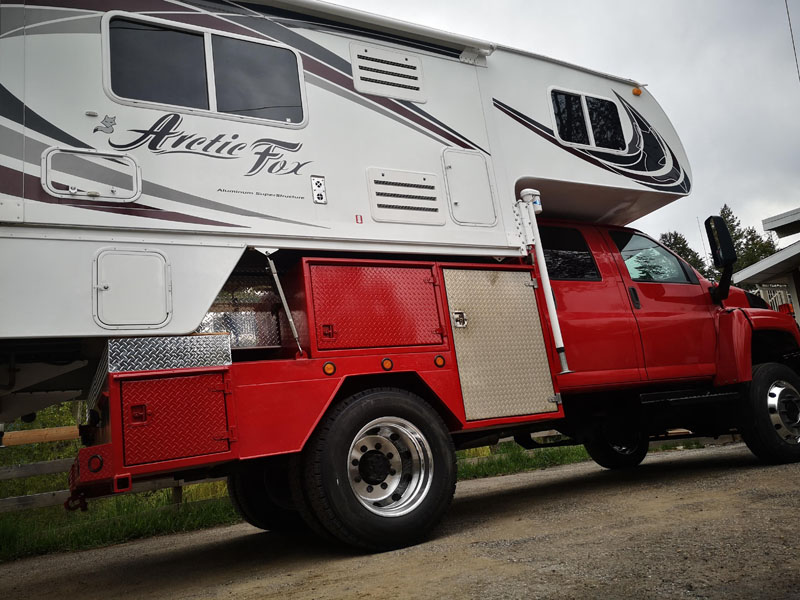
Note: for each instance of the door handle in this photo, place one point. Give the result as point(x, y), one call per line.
point(635, 297)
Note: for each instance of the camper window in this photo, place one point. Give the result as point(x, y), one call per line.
point(567, 255)
point(569, 118)
point(606, 126)
point(156, 64)
point(256, 80)
point(195, 69)
point(587, 121)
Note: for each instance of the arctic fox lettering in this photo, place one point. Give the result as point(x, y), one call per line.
point(165, 137)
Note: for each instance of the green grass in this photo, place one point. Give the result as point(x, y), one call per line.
point(508, 457)
point(108, 520)
point(113, 520)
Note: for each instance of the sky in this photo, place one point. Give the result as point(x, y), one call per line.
point(723, 70)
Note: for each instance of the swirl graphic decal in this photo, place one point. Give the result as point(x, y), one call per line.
point(647, 160)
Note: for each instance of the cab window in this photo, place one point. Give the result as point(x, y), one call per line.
point(567, 256)
point(646, 261)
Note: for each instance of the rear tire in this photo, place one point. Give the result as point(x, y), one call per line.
point(380, 471)
point(624, 453)
point(770, 422)
point(260, 494)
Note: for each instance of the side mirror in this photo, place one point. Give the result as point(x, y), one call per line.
point(724, 254)
point(719, 238)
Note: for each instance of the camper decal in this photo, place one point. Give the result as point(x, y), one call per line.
point(165, 136)
point(648, 159)
point(106, 125)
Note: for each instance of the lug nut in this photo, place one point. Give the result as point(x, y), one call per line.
point(392, 472)
point(369, 489)
point(384, 486)
point(364, 448)
point(357, 479)
point(378, 446)
point(355, 462)
point(389, 455)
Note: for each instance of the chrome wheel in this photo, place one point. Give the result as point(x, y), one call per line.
point(390, 466)
point(783, 403)
point(624, 449)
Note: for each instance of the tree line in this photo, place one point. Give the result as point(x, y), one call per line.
point(751, 246)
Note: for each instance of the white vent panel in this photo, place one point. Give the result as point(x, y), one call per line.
point(405, 197)
point(385, 73)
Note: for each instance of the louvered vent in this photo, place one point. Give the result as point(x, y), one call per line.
point(405, 197)
point(384, 73)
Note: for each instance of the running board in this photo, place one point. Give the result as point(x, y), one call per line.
point(681, 398)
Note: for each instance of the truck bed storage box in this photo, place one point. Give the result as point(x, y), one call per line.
point(500, 347)
point(374, 306)
point(173, 417)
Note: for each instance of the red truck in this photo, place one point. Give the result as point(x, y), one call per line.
point(404, 361)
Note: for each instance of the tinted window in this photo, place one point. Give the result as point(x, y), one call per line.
point(255, 80)
point(157, 65)
point(569, 117)
point(567, 255)
point(646, 260)
point(606, 127)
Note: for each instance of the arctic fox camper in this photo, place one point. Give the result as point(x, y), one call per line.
point(316, 251)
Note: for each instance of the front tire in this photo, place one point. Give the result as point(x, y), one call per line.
point(624, 453)
point(771, 414)
point(380, 471)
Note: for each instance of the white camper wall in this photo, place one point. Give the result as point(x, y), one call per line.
point(573, 184)
point(268, 202)
point(12, 61)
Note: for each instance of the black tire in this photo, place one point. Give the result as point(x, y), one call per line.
point(623, 453)
point(770, 423)
point(380, 470)
point(259, 492)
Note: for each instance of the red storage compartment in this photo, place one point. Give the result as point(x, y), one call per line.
point(374, 306)
point(173, 417)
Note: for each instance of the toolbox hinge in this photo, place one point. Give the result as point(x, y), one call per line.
point(229, 435)
point(555, 399)
point(225, 389)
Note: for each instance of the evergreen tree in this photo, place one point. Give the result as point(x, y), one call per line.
point(750, 245)
point(677, 242)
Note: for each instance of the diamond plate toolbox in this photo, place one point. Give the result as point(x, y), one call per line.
point(245, 308)
point(500, 348)
point(157, 353)
point(374, 306)
point(173, 417)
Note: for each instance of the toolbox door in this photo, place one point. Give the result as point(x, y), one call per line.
point(174, 417)
point(500, 347)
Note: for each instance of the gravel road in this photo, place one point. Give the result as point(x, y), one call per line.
point(709, 523)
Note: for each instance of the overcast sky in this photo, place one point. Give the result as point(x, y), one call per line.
point(723, 70)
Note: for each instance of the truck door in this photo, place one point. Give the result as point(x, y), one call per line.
point(672, 309)
point(600, 333)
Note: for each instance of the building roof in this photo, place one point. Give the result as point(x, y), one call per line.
point(778, 265)
point(784, 224)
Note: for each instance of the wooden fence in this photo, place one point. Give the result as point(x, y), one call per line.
point(50, 467)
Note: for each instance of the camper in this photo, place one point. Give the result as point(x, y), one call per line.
point(316, 251)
